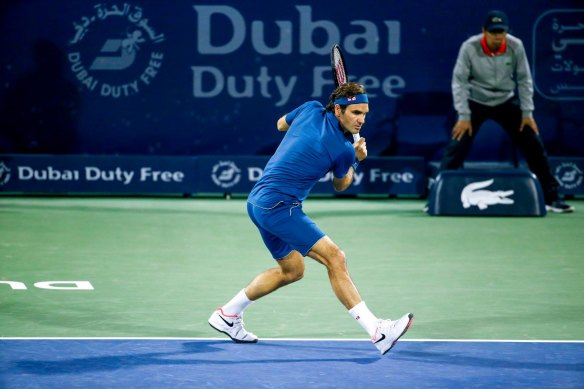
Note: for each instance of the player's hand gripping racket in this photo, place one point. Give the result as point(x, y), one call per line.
point(339, 70)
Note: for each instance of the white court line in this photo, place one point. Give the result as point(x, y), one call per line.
point(299, 339)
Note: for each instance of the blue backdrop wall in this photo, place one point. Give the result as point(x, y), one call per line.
point(188, 78)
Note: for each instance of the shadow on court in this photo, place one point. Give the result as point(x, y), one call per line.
point(149, 363)
point(192, 353)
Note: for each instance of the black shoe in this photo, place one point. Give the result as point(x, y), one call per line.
point(559, 206)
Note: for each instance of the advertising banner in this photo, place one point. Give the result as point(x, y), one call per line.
point(97, 174)
point(375, 176)
point(187, 175)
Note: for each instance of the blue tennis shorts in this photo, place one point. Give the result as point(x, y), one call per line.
point(284, 228)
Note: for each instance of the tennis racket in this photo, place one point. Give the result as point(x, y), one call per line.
point(339, 70)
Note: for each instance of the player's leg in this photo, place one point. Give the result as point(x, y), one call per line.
point(276, 226)
point(333, 258)
point(384, 333)
point(228, 319)
point(290, 269)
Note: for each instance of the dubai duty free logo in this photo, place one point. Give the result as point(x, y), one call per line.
point(4, 173)
point(226, 174)
point(569, 175)
point(115, 51)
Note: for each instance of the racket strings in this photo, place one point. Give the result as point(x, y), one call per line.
point(340, 69)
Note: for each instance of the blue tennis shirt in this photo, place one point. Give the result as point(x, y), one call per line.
point(313, 145)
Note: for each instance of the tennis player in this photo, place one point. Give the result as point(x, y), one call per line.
point(316, 142)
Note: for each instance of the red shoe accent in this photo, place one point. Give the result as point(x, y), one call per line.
point(225, 314)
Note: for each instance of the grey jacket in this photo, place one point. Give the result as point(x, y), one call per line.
point(491, 80)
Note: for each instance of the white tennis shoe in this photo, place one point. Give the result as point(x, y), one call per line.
point(389, 331)
point(232, 326)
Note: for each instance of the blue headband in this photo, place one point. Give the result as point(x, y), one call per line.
point(358, 99)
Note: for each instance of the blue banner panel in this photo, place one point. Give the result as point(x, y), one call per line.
point(192, 175)
point(97, 174)
point(232, 174)
point(376, 175)
point(187, 78)
point(569, 171)
point(486, 192)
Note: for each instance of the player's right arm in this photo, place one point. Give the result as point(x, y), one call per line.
point(286, 120)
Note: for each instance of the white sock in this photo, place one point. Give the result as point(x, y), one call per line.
point(366, 319)
point(237, 304)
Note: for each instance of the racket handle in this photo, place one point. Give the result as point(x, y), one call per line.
point(356, 138)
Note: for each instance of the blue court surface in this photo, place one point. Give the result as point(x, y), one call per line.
point(273, 363)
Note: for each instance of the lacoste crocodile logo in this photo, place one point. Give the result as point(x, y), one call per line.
point(471, 195)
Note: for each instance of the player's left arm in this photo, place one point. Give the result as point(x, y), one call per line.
point(340, 184)
point(282, 124)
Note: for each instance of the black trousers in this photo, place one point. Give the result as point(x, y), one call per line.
point(508, 116)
